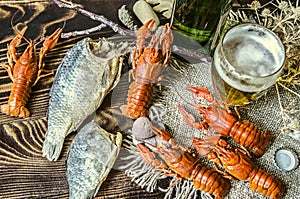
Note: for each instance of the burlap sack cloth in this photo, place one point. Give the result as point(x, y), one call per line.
point(265, 113)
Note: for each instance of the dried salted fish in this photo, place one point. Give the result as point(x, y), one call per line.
point(86, 74)
point(91, 156)
point(126, 18)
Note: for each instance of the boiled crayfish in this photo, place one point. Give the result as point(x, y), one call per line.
point(237, 162)
point(148, 65)
point(25, 72)
point(176, 160)
point(221, 120)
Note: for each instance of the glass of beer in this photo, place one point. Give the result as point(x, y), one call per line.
point(246, 63)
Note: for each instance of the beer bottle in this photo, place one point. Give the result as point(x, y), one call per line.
point(201, 20)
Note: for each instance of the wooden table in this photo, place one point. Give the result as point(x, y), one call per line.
point(24, 173)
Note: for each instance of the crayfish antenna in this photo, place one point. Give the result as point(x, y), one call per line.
point(22, 32)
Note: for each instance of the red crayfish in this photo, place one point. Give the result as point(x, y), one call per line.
point(25, 71)
point(176, 160)
point(148, 65)
point(238, 163)
point(221, 120)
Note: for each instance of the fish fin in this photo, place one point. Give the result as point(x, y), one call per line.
point(94, 193)
point(52, 150)
point(53, 145)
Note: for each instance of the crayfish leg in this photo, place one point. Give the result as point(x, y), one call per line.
point(178, 179)
point(244, 151)
point(39, 75)
point(236, 110)
point(224, 174)
point(9, 70)
point(131, 74)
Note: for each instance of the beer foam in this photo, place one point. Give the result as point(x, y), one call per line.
point(250, 57)
point(253, 56)
point(240, 81)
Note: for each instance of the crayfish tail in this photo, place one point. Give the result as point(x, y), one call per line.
point(264, 183)
point(16, 111)
point(263, 143)
point(250, 136)
point(211, 182)
point(224, 188)
point(139, 97)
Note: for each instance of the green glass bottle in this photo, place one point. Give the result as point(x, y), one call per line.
point(201, 20)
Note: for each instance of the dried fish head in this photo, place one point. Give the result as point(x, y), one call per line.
point(87, 73)
point(91, 156)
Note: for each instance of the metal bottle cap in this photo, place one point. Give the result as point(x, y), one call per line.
point(286, 159)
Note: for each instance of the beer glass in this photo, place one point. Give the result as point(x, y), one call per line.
point(246, 63)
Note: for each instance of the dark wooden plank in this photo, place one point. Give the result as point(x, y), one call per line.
point(24, 173)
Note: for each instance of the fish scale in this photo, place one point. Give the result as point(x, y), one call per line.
point(78, 88)
point(90, 158)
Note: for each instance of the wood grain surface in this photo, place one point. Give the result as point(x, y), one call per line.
point(24, 173)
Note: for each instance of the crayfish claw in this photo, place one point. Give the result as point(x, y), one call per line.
point(164, 135)
point(201, 147)
point(143, 33)
point(145, 29)
point(190, 119)
point(49, 43)
point(150, 157)
point(166, 40)
point(201, 92)
point(11, 48)
point(17, 39)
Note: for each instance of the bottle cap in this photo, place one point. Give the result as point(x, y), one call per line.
point(286, 159)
